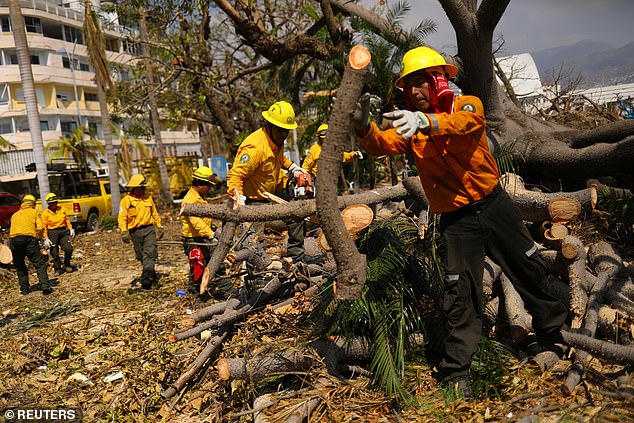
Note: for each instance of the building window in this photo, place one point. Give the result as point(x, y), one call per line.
point(84, 67)
point(90, 97)
point(33, 24)
point(67, 128)
point(5, 24)
point(4, 94)
point(92, 128)
point(35, 59)
point(5, 126)
point(73, 35)
point(44, 125)
point(12, 59)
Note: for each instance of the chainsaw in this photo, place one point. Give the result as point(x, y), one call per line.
point(304, 186)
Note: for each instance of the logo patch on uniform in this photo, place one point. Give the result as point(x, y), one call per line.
point(468, 108)
point(245, 158)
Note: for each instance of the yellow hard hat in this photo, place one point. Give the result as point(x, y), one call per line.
point(28, 198)
point(321, 131)
point(203, 173)
point(281, 114)
point(51, 198)
point(137, 181)
point(423, 58)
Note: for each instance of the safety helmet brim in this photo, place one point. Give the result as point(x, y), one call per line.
point(273, 121)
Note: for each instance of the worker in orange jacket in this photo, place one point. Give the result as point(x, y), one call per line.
point(140, 223)
point(447, 137)
point(24, 235)
point(57, 231)
point(261, 167)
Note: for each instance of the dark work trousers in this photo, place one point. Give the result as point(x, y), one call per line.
point(296, 229)
point(206, 250)
point(60, 237)
point(493, 227)
point(144, 241)
point(27, 246)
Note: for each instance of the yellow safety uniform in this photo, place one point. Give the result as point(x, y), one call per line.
point(26, 222)
point(454, 163)
point(312, 157)
point(194, 226)
point(55, 219)
point(258, 167)
point(135, 212)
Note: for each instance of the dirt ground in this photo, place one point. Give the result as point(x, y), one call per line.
point(99, 344)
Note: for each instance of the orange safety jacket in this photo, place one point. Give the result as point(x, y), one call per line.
point(258, 167)
point(453, 159)
point(55, 219)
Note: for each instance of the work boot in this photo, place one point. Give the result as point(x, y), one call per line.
point(69, 269)
point(59, 272)
point(47, 291)
point(25, 291)
point(461, 386)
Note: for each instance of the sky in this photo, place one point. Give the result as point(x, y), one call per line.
point(534, 25)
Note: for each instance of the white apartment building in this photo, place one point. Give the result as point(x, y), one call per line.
point(64, 79)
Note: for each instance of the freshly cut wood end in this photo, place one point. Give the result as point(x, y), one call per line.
point(6, 257)
point(563, 209)
point(557, 231)
point(357, 217)
point(187, 323)
point(224, 369)
point(323, 243)
point(204, 281)
point(172, 338)
point(359, 57)
point(569, 250)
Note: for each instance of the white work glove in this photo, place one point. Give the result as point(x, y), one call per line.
point(361, 113)
point(46, 243)
point(242, 200)
point(72, 232)
point(296, 170)
point(359, 154)
point(407, 123)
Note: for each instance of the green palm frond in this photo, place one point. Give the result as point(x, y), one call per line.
point(81, 149)
point(6, 144)
point(614, 217)
point(396, 302)
point(489, 368)
point(503, 155)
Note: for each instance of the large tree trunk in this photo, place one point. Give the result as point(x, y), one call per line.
point(110, 157)
point(30, 98)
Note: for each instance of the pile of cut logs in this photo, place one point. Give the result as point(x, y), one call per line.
point(594, 280)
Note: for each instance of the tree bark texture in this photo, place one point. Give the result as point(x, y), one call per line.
point(351, 265)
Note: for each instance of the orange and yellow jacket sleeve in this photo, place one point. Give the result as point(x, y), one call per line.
point(312, 157)
point(453, 159)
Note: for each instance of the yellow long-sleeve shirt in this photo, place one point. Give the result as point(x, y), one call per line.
point(194, 226)
point(26, 222)
point(135, 212)
point(312, 157)
point(258, 167)
point(454, 163)
point(55, 219)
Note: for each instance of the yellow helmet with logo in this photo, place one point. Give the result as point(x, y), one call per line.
point(423, 58)
point(28, 198)
point(281, 114)
point(51, 198)
point(137, 181)
point(204, 174)
point(321, 131)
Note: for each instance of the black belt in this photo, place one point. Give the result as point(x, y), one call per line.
point(480, 205)
point(140, 227)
